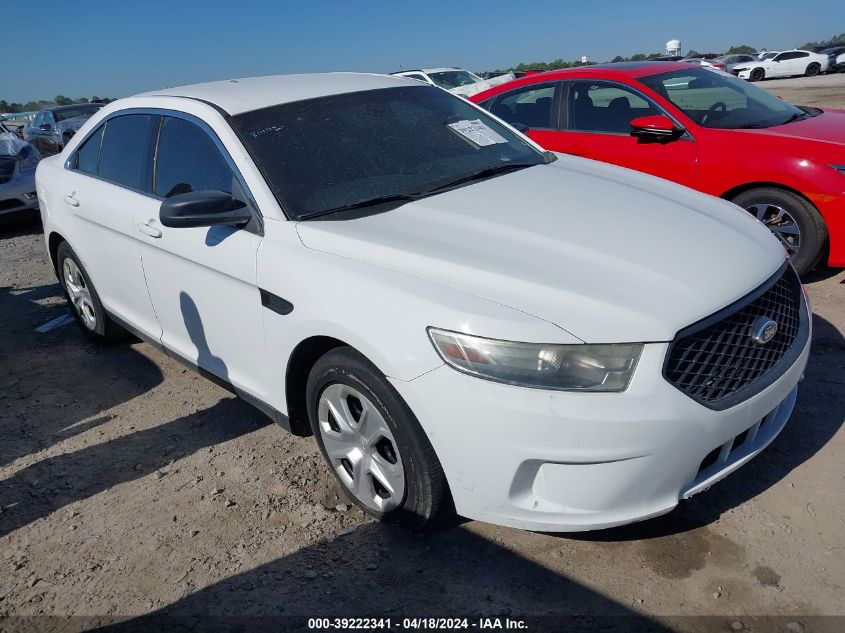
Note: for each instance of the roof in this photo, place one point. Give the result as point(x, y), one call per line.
point(427, 70)
point(630, 69)
point(236, 96)
point(73, 106)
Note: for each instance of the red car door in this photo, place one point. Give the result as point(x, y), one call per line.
point(595, 123)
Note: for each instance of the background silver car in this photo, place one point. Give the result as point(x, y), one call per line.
point(732, 60)
point(18, 160)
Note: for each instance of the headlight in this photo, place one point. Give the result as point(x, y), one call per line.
point(839, 168)
point(30, 158)
point(582, 367)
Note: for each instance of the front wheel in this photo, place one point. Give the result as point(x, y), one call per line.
point(813, 70)
point(792, 219)
point(758, 74)
point(372, 441)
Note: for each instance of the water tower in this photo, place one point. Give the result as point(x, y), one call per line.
point(673, 47)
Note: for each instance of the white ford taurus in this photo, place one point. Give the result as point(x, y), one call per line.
point(550, 342)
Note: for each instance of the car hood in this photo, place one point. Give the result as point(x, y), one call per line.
point(829, 127)
point(605, 253)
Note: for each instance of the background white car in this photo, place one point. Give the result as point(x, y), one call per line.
point(456, 80)
point(784, 64)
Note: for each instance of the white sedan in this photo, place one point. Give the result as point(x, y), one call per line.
point(783, 64)
point(456, 315)
point(456, 80)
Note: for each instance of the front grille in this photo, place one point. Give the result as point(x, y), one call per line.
point(717, 363)
point(7, 169)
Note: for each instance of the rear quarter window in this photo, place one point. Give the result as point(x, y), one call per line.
point(88, 155)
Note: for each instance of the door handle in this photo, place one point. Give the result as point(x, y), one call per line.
point(149, 229)
point(71, 200)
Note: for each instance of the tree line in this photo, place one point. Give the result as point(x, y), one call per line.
point(836, 39)
point(59, 100)
point(740, 49)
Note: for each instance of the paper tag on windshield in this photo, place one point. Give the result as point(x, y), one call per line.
point(477, 132)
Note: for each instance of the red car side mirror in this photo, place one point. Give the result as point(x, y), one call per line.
point(657, 128)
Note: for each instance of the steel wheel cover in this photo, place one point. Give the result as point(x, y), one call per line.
point(361, 447)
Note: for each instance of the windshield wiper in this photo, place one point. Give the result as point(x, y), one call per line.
point(795, 117)
point(755, 126)
point(790, 119)
point(484, 173)
point(367, 202)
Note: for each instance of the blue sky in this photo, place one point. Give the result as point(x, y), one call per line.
point(121, 47)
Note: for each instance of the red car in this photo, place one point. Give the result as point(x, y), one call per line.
point(701, 128)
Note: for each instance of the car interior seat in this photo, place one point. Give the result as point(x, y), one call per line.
point(582, 108)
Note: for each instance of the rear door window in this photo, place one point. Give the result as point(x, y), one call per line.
point(532, 106)
point(125, 156)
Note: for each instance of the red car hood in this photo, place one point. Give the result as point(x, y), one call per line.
point(828, 127)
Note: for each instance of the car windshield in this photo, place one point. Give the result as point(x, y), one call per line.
point(454, 78)
point(328, 154)
point(768, 55)
point(72, 113)
point(717, 100)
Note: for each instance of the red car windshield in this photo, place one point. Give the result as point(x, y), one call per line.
point(717, 100)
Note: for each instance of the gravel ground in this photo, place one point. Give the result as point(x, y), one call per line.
point(130, 486)
point(822, 91)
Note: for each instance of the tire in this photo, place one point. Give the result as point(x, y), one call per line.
point(83, 299)
point(758, 74)
point(764, 203)
point(813, 70)
point(344, 376)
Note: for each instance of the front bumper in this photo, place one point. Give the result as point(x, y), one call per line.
point(564, 461)
point(18, 194)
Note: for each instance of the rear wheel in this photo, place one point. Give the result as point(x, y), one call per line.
point(758, 74)
point(83, 298)
point(372, 441)
point(792, 219)
point(813, 70)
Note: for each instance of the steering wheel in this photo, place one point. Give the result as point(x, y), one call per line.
point(716, 107)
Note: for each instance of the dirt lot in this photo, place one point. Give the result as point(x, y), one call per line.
point(824, 90)
point(131, 486)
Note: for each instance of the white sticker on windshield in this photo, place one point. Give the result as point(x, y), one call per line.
point(477, 132)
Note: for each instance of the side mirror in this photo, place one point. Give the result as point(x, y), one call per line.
point(203, 208)
point(657, 128)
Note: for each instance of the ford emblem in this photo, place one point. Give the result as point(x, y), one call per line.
point(763, 330)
